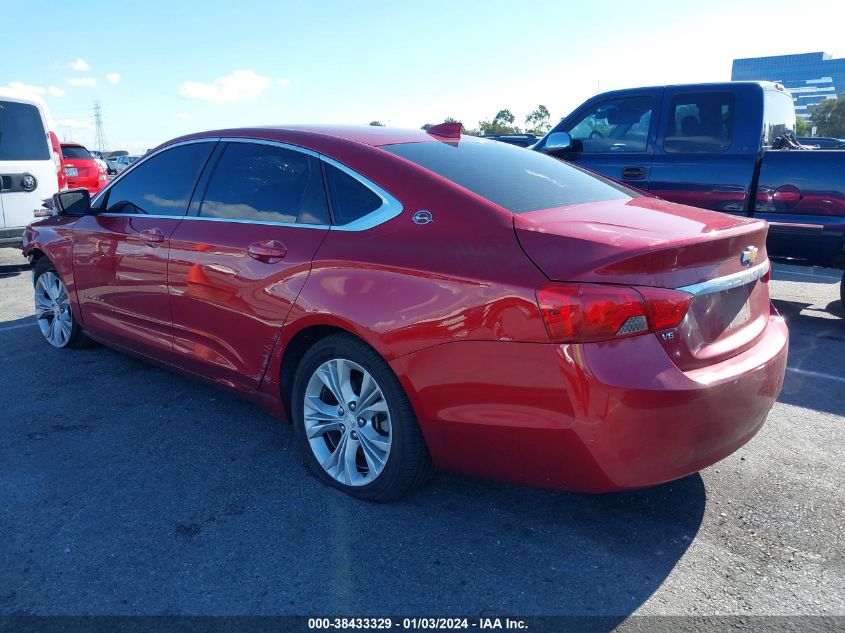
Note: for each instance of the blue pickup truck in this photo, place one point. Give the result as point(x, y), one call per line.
point(714, 146)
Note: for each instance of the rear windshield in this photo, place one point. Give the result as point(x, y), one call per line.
point(76, 151)
point(22, 133)
point(517, 179)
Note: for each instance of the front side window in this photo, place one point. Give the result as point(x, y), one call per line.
point(161, 185)
point(351, 200)
point(617, 125)
point(266, 183)
point(700, 123)
point(517, 179)
point(22, 133)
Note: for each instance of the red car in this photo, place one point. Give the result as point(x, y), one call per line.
point(410, 299)
point(82, 169)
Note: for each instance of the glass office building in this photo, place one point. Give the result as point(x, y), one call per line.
point(810, 77)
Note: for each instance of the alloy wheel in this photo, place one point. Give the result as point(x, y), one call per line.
point(347, 422)
point(52, 309)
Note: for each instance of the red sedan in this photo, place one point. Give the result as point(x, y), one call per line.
point(82, 169)
point(412, 299)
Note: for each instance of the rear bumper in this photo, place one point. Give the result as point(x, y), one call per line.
point(593, 418)
point(93, 186)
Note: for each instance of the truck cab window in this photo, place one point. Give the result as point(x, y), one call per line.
point(616, 125)
point(700, 123)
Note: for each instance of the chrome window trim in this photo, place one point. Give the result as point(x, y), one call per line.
point(264, 141)
point(298, 225)
point(194, 217)
point(141, 161)
point(389, 209)
point(728, 281)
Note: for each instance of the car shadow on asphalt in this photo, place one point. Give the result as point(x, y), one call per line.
point(140, 491)
point(13, 270)
point(815, 336)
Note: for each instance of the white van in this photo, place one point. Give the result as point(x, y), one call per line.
point(28, 164)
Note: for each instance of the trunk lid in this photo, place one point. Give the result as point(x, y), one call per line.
point(650, 242)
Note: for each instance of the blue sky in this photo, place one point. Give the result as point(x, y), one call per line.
point(161, 69)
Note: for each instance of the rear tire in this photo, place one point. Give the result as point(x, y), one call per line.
point(53, 311)
point(354, 423)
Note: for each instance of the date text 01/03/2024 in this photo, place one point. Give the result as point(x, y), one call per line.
point(415, 623)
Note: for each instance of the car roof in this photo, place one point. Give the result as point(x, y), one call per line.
point(371, 135)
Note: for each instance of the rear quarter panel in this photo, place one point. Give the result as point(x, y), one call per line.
point(403, 286)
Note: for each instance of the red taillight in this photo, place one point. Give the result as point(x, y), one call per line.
point(582, 313)
point(57, 159)
point(591, 312)
point(666, 307)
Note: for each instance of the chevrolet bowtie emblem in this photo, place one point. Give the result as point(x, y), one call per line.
point(748, 256)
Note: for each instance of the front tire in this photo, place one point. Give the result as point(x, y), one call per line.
point(354, 423)
point(53, 310)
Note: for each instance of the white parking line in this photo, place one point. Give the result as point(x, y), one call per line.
point(17, 327)
point(815, 374)
point(780, 271)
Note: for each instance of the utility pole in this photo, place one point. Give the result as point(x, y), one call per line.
point(100, 135)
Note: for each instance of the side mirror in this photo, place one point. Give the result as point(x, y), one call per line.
point(73, 202)
point(558, 142)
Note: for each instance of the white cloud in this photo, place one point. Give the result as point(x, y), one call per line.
point(88, 82)
point(80, 65)
point(113, 78)
point(240, 85)
point(19, 86)
point(283, 81)
point(75, 124)
point(183, 115)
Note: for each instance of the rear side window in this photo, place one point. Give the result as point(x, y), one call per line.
point(161, 185)
point(700, 123)
point(350, 198)
point(76, 151)
point(517, 179)
point(265, 183)
point(22, 133)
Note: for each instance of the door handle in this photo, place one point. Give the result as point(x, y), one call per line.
point(268, 252)
point(151, 237)
point(633, 173)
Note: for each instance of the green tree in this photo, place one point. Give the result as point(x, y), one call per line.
point(802, 127)
point(539, 121)
point(502, 123)
point(377, 123)
point(829, 117)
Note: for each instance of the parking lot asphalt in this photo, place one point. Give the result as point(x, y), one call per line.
point(127, 489)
